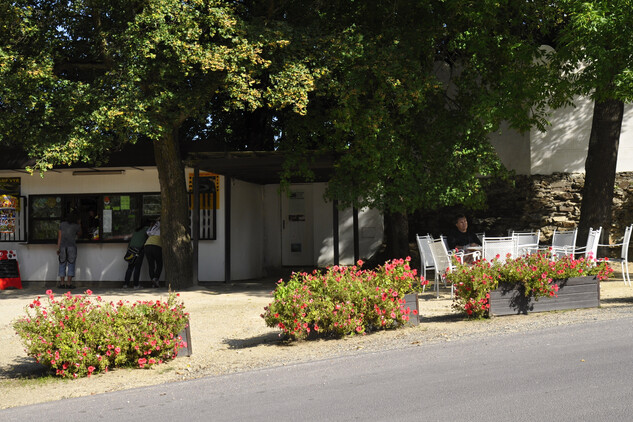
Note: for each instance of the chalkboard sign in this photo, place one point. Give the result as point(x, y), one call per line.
point(9, 270)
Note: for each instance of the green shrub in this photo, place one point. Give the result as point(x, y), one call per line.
point(343, 300)
point(79, 335)
point(536, 272)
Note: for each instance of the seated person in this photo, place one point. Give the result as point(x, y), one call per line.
point(460, 237)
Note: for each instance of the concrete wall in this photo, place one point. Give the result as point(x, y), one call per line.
point(211, 252)
point(247, 230)
point(513, 148)
point(562, 148)
point(272, 222)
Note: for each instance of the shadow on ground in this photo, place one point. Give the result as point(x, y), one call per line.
point(257, 288)
point(270, 339)
point(618, 300)
point(24, 367)
point(441, 318)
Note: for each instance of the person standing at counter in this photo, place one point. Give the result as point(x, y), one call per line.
point(67, 249)
point(154, 252)
point(136, 253)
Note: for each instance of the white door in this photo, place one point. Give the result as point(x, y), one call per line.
point(297, 238)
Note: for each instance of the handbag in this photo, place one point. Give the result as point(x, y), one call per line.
point(131, 254)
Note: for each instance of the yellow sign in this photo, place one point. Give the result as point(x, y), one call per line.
point(125, 202)
point(10, 192)
point(209, 187)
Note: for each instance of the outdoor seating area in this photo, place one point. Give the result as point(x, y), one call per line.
point(436, 257)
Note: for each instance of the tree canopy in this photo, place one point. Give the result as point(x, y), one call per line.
point(80, 76)
point(594, 57)
point(411, 95)
point(404, 92)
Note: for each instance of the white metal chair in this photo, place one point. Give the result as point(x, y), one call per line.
point(624, 254)
point(440, 272)
point(460, 253)
point(442, 261)
point(426, 259)
point(590, 250)
point(527, 242)
point(564, 242)
point(499, 248)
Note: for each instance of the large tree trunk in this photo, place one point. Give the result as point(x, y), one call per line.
point(602, 157)
point(175, 234)
point(397, 235)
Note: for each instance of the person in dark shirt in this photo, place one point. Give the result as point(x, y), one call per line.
point(460, 237)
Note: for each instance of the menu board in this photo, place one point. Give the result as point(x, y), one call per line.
point(9, 270)
point(119, 216)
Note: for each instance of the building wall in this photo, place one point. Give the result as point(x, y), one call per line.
point(370, 223)
point(513, 148)
point(247, 230)
point(272, 222)
point(625, 152)
point(562, 148)
point(211, 252)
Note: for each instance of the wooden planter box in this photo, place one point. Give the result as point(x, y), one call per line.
point(411, 300)
point(186, 336)
point(573, 293)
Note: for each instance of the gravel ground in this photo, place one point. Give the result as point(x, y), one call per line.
point(228, 335)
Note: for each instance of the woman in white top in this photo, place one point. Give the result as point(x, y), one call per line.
point(154, 252)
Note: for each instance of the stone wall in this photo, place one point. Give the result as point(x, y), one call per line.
point(544, 202)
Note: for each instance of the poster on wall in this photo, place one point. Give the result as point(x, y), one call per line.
point(8, 208)
point(9, 203)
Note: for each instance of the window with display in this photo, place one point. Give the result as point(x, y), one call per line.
point(45, 216)
point(103, 217)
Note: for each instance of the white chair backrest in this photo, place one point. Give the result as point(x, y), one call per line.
point(499, 246)
point(625, 243)
point(425, 251)
point(445, 242)
point(593, 238)
point(527, 242)
point(564, 241)
point(441, 259)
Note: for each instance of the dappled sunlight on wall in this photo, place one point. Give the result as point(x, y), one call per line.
point(513, 148)
point(625, 152)
point(563, 147)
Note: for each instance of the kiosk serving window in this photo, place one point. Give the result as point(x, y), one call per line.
point(103, 217)
point(45, 215)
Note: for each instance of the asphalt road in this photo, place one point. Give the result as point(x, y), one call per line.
point(580, 372)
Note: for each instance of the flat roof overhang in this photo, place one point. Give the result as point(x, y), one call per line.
point(260, 167)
